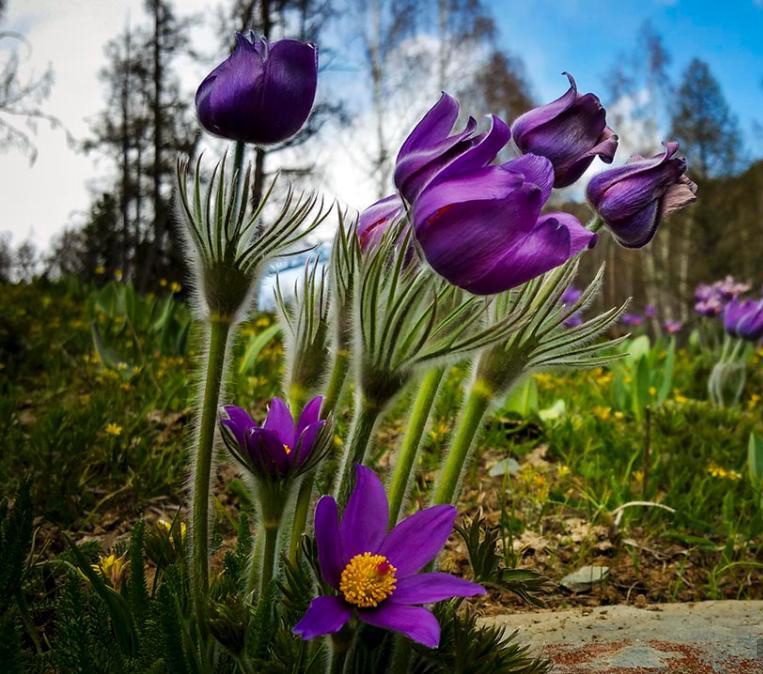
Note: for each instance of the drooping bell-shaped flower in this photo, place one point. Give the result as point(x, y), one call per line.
point(632, 199)
point(279, 448)
point(483, 230)
point(569, 132)
point(431, 151)
point(373, 572)
point(262, 93)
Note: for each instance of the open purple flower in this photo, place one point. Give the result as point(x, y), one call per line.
point(672, 327)
point(632, 199)
point(373, 221)
point(375, 571)
point(429, 151)
point(744, 319)
point(632, 320)
point(483, 230)
point(262, 93)
point(279, 448)
point(569, 131)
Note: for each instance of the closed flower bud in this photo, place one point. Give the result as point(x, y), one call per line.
point(632, 199)
point(262, 93)
point(569, 132)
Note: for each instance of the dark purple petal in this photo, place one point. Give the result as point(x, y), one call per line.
point(267, 452)
point(238, 422)
point(427, 588)
point(436, 124)
point(555, 239)
point(305, 443)
point(261, 93)
point(536, 170)
point(311, 413)
point(373, 221)
point(364, 521)
point(750, 325)
point(416, 540)
point(329, 541)
point(414, 622)
point(325, 615)
point(539, 116)
point(279, 422)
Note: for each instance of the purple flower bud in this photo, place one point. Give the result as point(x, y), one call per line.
point(430, 152)
point(262, 93)
point(650, 311)
point(632, 199)
point(744, 319)
point(483, 230)
point(279, 448)
point(569, 131)
point(373, 221)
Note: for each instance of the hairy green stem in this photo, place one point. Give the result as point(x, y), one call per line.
point(409, 449)
point(449, 478)
point(366, 415)
point(264, 571)
point(219, 331)
point(330, 400)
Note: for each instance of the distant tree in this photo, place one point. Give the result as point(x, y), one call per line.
point(26, 262)
point(21, 98)
point(704, 124)
point(6, 257)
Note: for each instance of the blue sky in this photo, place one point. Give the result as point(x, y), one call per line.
point(586, 36)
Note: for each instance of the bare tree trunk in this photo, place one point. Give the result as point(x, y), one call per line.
point(125, 121)
point(683, 266)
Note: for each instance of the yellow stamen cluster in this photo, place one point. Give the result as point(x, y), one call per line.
point(286, 449)
point(367, 579)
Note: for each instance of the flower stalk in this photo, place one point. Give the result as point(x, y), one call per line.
point(367, 414)
point(409, 449)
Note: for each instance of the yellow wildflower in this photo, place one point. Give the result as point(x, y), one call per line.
point(111, 568)
point(601, 412)
point(604, 379)
point(262, 322)
point(753, 401)
point(175, 287)
point(167, 526)
point(163, 282)
point(121, 365)
point(118, 274)
point(717, 471)
point(619, 415)
point(652, 391)
point(114, 429)
point(100, 269)
point(638, 476)
point(563, 470)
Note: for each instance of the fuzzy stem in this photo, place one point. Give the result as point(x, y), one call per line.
point(238, 164)
point(335, 382)
point(219, 331)
point(449, 479)
point(406, 456)
point(366, 415)
point(330, 400)
point(338, 654)
point(265, 570)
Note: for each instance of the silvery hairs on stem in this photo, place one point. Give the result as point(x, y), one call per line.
point(345, 260)
point(408, 317)
point(305, 321)
point(544, 341)
point(227, 240)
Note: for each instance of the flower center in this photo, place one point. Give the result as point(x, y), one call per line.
point(286, 449)
point(367, 579)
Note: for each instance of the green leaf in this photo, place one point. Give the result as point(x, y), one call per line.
point(523, 399)
point(755, 460)
point(641, 388)
point(108, 357)
point(257, 344)
point(666, 384)
point(554, 412)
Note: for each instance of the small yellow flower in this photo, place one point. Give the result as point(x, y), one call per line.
point(163, 282)
point(118, 274)
point(725, 474)
point(100, 269)
point(111, 568)
point(114, 429)
point(543, 378)
point(135, 369)
point(126, 386)
point(175, 287)
point(167, 526)
point(604, 379)
point(681, 400)
point(627, 379)
point(753, 401)
point(262, 322)
point(563, 470)
point(601, 412)
point(652, 391)
point(121, 365)
point(619, 415)
point(638, 476)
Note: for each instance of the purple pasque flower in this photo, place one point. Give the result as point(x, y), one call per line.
point(650, 311)
point(262, 93)
point(632, 199)
point(712, 306)
point(571, 295)
point(744, 319)
point(729, 289)
point(430, 151)
point(483, 230)
point(632, 320)
point(375, 571)
point(569, 131)
point(279, 448)
point(704, 292)
point(672, 327)
point(373, 221)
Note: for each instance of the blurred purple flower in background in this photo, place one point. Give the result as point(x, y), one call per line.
point(375, 571)
point(632, 320)
point(571, 295)
point(744, 319)
point(430, 152)
point(262, 93)
point(729, 289)
point(483, 230)
point(569, 132)
point(672, 327)
point(632, 199)
point(279, 448)
point(650, 311)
